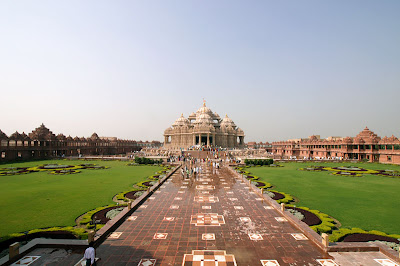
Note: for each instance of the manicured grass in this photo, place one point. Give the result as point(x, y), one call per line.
point(39, 200)
point(368, 202)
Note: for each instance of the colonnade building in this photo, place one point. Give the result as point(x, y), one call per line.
point(43, 144)
point(366, 146)
point(203, 128)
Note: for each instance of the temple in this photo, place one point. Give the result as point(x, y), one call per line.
point(203, 128)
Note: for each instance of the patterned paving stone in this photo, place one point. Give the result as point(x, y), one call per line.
point(270, 263)
point(327, 262)
point(281, 219)
point(131, 218)
point(147, 262)
point(115, 235)
point(208, 258)
point(386, 262)
point(245, 219)
point(299, 236)
point(255, 236)
point(208, 236)
point(207, 219)
point(160, 236)
point(188, 235)
point(206, 199)
point(27, 260)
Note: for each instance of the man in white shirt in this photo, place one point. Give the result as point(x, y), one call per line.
point(90, 255)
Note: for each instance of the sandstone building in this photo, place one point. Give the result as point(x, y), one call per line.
point(43, 144)
point(203, 128)
point(366, 146)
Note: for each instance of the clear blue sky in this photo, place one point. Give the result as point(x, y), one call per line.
point(279, 69)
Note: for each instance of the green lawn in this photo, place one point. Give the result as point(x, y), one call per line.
point(38, 200)
point(368, 202)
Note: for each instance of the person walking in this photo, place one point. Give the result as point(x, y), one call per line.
point(90, 255)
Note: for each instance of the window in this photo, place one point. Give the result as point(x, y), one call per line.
point(389, 158)
point(3, 154)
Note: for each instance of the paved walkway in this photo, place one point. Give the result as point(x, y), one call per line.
point(213, 217)
point(210, 220)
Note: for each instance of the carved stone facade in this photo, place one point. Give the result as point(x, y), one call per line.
point(43, 144)
point(365, 146)
point(203, 128)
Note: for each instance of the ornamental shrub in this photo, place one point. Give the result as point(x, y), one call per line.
point(258, 162)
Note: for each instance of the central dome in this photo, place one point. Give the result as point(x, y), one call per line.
point(203, 118)
point(204, 110)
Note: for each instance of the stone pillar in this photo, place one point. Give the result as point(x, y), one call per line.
point(282, 207)
point(13, 250)
point(325, 239)
point(208, 139)
point(91, 236)
point(129, 205)
point(213, 142)
point(194, 139)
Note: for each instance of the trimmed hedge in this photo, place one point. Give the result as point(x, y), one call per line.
point(259, 161)
point(79, 233)
point(288, 198)
point(327, 223)
point(121, 195)
point(87, 217)
point(144, 160)
point(340, 234)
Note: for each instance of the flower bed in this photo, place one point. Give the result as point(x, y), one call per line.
point(342, 233)
point(388, 173)
point(309, 218)
point(93, 166)
point(280, 197)
point(64, 172)
point(368, 237)
point(313, 169)
point(134, 194)
point(101, 214)
point(341, 173)
point(14, 171)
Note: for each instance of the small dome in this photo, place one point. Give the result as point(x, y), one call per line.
point(3, 135)
point(347, 140)
point(61, 137)
point(16, 136)
point(227, 122)
point(181, 121)
point(94, 136)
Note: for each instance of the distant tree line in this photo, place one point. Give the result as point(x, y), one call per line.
point(259, 161)
point(144, 160)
